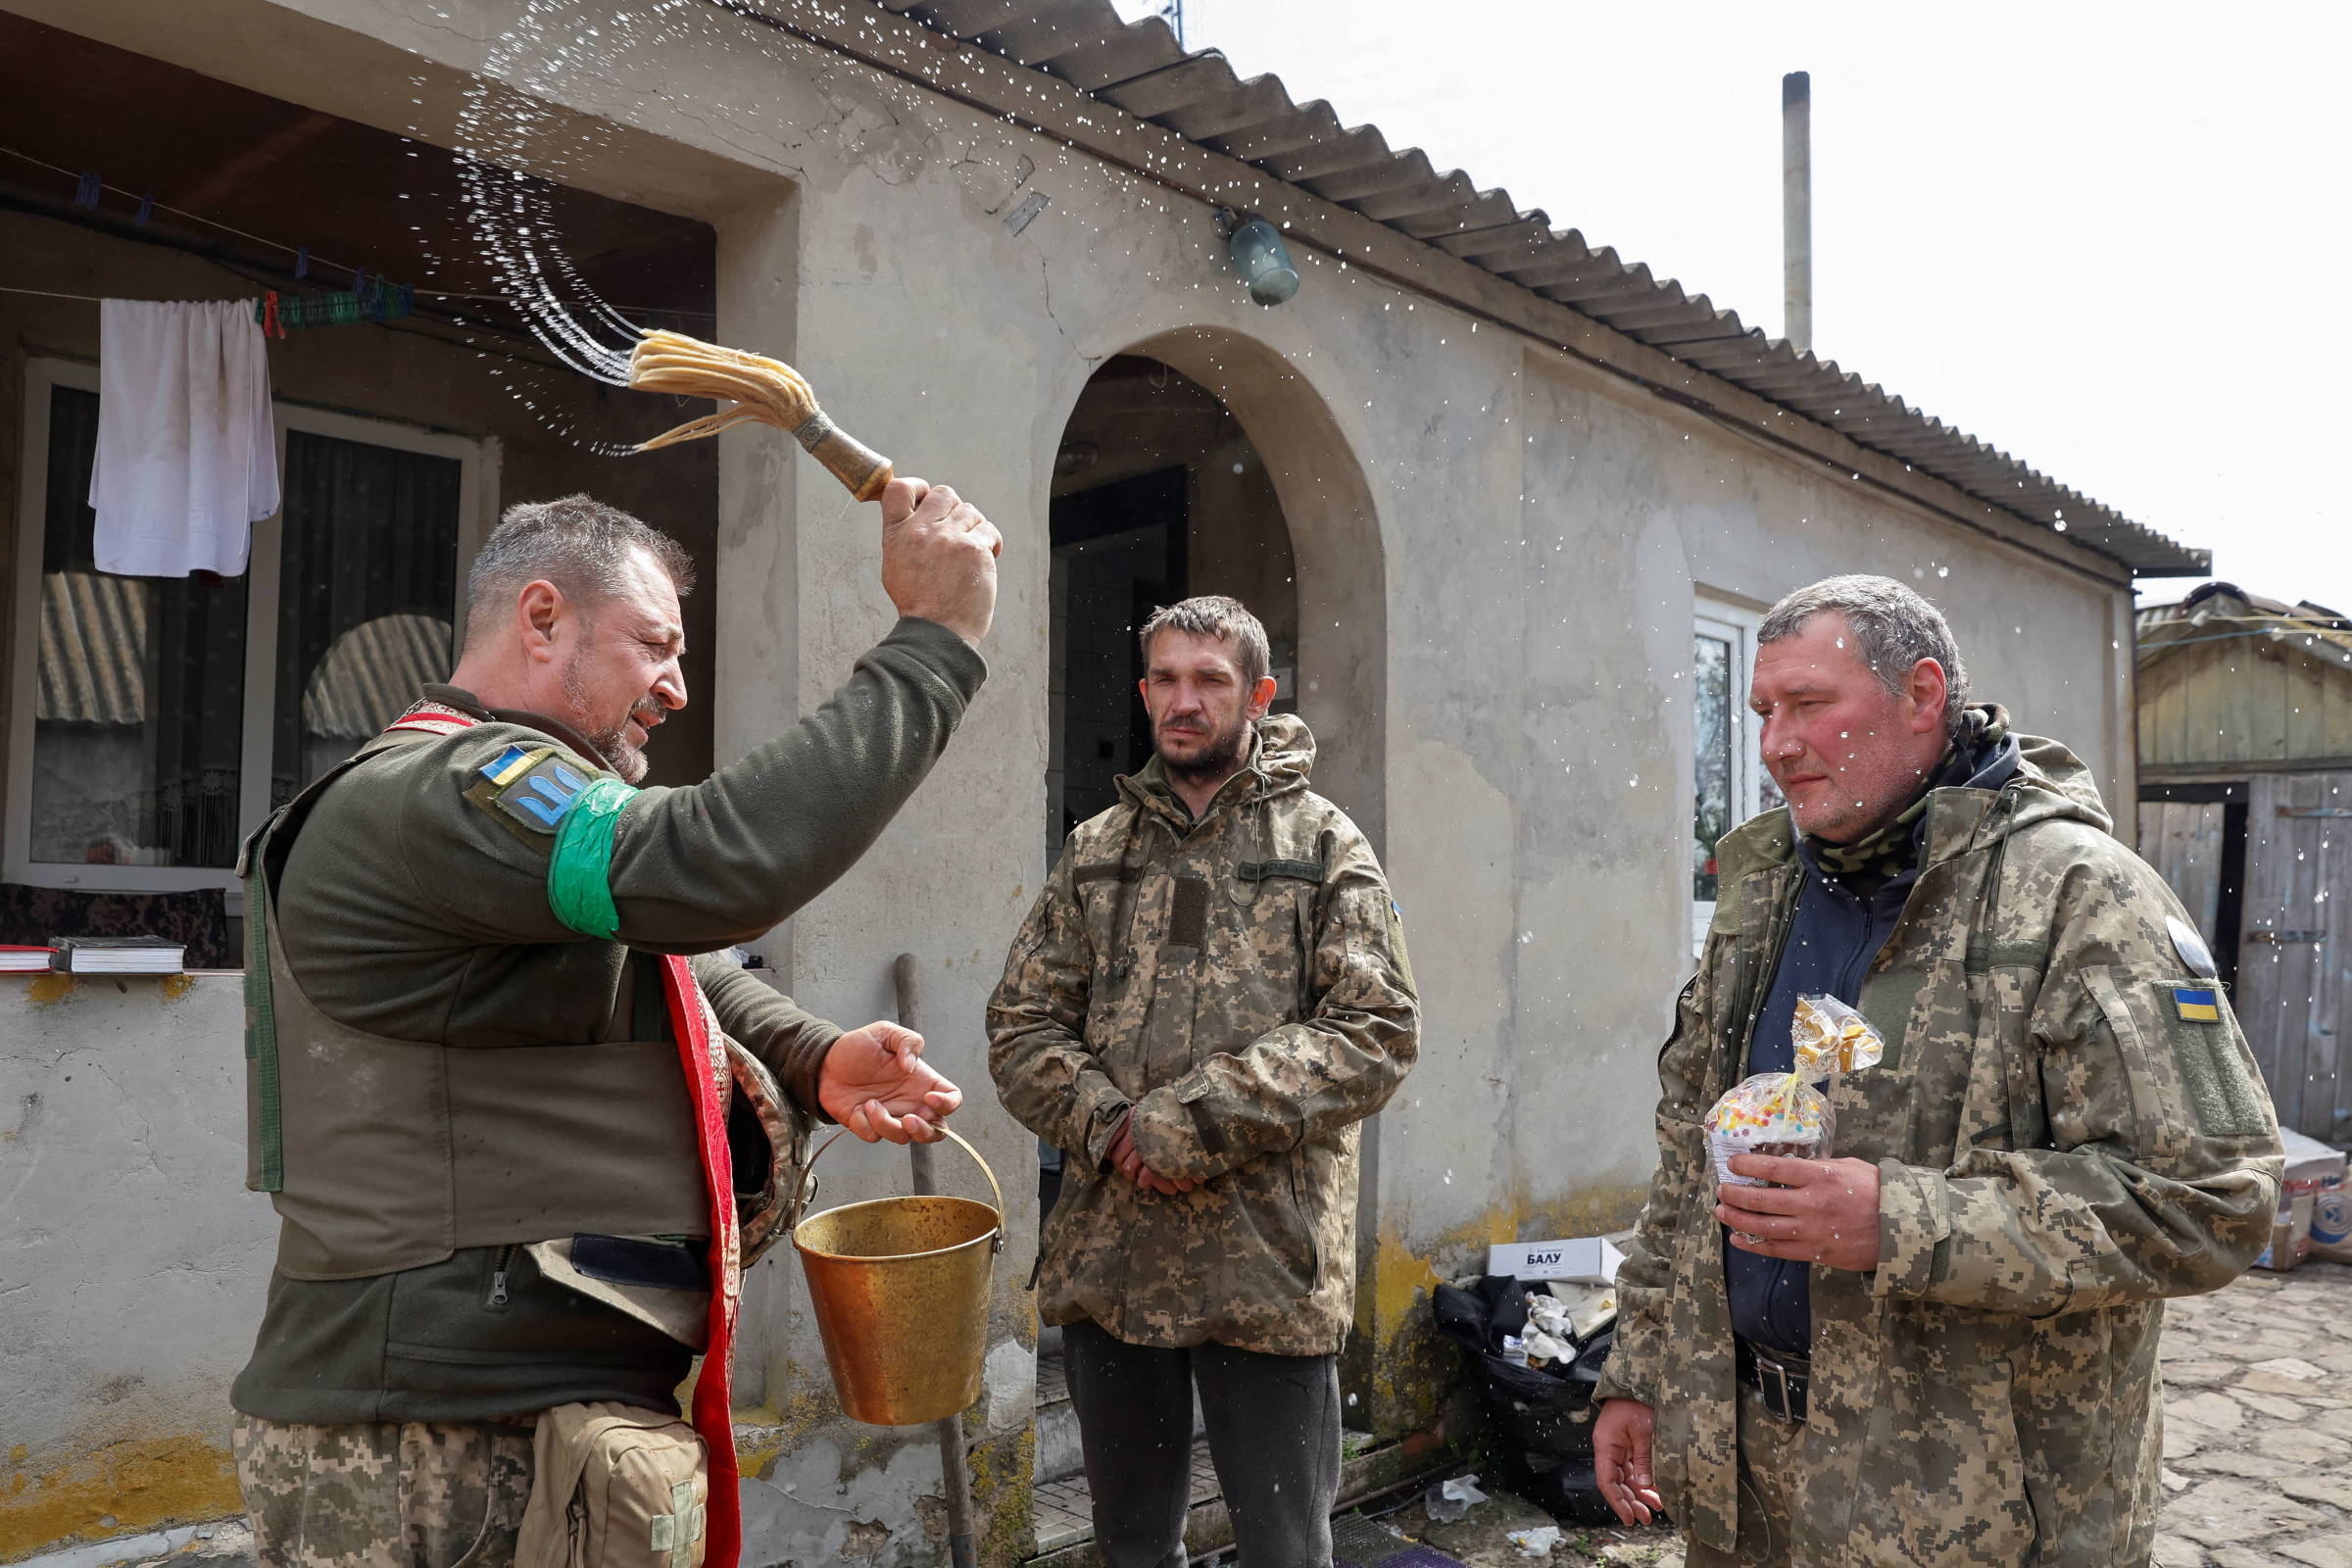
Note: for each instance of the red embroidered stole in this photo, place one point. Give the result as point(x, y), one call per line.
point(704, 1054)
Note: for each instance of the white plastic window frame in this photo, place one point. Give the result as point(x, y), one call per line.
point(479, 461)
point(1734, 624)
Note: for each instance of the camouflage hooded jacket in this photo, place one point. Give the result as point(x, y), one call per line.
point(2060, 1146)
point(1241, 983)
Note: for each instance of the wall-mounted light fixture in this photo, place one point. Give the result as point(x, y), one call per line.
point(1260, 256)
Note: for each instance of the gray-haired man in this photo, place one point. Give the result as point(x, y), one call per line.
point(466, 1026)
point(1209, 995)
point(1939, 1347)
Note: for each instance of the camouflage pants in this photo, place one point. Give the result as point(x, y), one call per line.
point(385, 1494)
point(1766, 1491)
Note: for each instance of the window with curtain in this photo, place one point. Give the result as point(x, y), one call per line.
point(368, 563)
point(139, 713)
point(158, 720)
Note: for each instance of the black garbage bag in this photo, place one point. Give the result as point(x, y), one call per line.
point(1478, 1318)
point(1540, 1417)
point(1543, 1413)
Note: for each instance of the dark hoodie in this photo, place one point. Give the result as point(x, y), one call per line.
point(1842, 919)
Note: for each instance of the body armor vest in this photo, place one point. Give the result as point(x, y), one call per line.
point(382, 1155)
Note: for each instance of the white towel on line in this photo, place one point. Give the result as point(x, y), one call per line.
point(187, 458)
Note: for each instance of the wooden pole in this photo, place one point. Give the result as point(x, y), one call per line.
point(955, 1473)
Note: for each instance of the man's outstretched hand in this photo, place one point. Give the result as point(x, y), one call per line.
point(1129, 1164)
point(1621, 1445)
point(876, 1084)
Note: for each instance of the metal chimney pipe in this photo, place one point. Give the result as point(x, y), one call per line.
point(1796, 208)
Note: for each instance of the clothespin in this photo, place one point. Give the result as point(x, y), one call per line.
point(272, 324)
point(146, 209)
point(302, 261)
point(88, 189)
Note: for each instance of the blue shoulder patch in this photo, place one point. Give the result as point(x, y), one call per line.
point(539, 788)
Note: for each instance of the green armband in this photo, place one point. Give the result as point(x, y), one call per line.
point(579, 874)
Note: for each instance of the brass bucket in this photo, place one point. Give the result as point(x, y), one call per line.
point(900, 1288)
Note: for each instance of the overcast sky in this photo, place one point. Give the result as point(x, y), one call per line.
point(2108, 239)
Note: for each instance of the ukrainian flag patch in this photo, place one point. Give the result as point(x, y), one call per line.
point(2197, 1003)
point(502, 768)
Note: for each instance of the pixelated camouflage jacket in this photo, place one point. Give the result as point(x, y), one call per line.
point(2060, 1147)
point(1242, 984)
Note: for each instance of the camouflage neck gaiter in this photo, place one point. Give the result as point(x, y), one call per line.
point(1893, 848)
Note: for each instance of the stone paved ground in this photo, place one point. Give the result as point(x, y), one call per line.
point(2258, 1424)
point(2257, 1446)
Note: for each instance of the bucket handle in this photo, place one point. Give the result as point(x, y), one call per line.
point(807, 1192)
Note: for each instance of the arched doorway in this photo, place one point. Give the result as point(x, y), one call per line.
point(1200, 461)
point(1159, 494)
point(1195, 462)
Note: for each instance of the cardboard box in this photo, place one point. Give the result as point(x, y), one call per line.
point(2309, 1161)
point(1579, 1260)
point(2291, 1235)
point(2332, 1222)
point(2312, 1170)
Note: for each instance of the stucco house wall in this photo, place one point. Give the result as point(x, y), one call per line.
point(1500, 550)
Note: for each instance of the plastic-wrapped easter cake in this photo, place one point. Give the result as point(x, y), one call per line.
point(1782, 1113)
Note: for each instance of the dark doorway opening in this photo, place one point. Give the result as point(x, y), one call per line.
point(1119, 552)
point(2195, 834)
point(1158, 495)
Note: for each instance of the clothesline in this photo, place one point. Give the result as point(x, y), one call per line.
point(195, 217)
point(100, 299)
point(52, 294)
point(97, 299)
point(290, 250)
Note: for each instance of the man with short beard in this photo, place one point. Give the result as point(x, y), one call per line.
point(479, 1080)
point(1209, 995)
point(1937, 1344)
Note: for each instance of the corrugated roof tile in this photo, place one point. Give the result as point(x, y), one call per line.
point(1140, 67)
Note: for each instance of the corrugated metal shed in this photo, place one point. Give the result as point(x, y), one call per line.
point(2222, 612)
point(1140, 68)
point(2228, 682)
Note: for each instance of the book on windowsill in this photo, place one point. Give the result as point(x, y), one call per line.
point(24, 960)
point(118, 956)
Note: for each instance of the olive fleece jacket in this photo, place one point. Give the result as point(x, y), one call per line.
point(413, 910)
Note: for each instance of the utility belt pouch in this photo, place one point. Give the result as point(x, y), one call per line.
point(615, 1486)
